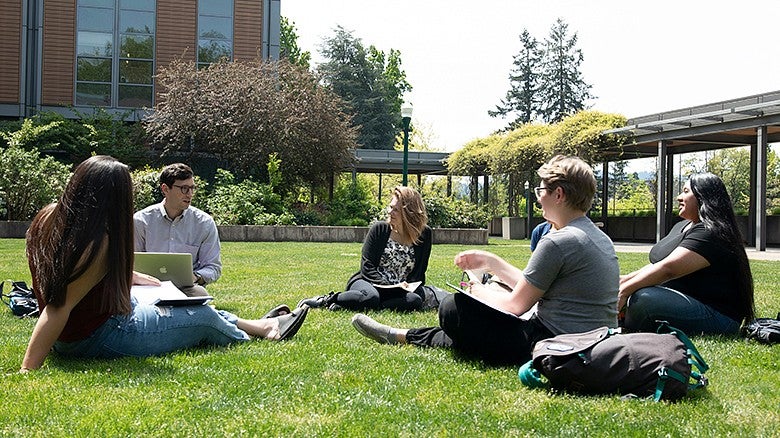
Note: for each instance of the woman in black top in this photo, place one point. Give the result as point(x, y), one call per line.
point(394, 260)
point(699, 278)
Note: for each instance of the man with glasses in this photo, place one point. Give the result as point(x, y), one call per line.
point(174, 225)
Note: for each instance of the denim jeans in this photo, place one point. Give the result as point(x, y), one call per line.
point(658, 303)
point(149, 330)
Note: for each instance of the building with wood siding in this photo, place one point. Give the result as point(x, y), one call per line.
point(66, 55)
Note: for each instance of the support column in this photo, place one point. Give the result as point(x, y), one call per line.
point(758, 157)
point(485, 189)
point(661, 176)
point(419, 181)
point(379, 193)
point(604, 195)
point(449, 186)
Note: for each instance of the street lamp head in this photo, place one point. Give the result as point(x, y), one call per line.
point(406, 110)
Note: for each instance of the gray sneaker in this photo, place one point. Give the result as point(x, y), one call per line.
point(384, 334)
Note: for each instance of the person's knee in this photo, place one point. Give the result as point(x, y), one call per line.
point(642, 310)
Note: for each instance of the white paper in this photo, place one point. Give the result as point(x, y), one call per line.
point(410, 287)
point(150, 294)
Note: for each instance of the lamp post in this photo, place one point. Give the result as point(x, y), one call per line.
point(528, 209)
point(406, 119)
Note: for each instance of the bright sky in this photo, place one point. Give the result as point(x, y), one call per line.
point(641, 57)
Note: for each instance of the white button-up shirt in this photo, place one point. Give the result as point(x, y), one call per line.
point(193, 231)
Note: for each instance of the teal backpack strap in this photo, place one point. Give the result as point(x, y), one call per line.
point(530, 376)
point(696, 358)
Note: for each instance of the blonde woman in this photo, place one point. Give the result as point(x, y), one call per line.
point(394, 259)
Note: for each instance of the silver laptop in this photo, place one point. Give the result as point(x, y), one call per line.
point(166, 266)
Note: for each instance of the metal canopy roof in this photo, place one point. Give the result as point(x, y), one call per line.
point(712, 126)
point(391, 161)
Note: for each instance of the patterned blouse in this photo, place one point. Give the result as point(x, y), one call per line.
point(396, 263)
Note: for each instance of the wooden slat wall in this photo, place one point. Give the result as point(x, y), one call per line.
point(248, 29)
point(10, 51)
point(59, 52)
point(176, 34)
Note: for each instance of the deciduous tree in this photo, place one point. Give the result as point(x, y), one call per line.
point(243, 111)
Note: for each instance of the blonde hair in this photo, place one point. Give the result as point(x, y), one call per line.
point(413, 214)
point(574, 176)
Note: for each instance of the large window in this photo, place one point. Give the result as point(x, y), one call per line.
point(115, 53)
point(215, 31)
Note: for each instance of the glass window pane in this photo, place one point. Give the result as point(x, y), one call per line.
point(136, 22)
point(94, 44)
point(96, 19)
point(135, 96)
point(93, 94)
point(135, 72)
point(136, 46)
point(100, 3)
point(138, 5)
point(214, 27)
point(93, 69)
point(211, 51)
point(215, 7)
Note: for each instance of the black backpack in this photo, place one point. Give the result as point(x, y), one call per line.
point(764, 330)
point(20, 299)
point(602, 361)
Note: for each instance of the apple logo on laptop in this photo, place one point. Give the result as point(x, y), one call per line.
point(163, 270)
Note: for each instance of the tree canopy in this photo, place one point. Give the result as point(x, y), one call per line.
point(243, 111)
point(545, 83)
point(371, 84)
point(289, 48)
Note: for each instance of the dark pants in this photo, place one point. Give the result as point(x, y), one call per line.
point(479, 331)
point(363, 295)
point(195, 290)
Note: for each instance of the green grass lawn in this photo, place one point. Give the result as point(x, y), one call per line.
point(330, 381)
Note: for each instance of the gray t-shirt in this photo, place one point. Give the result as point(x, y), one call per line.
point(577, 269)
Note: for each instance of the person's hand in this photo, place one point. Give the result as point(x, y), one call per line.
point(142, 279)
point(473, 259)
point(622, 301)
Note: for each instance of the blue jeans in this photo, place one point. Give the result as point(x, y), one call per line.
point(658, 303)
point(149, 330)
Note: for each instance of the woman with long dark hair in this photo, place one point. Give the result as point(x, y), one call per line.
point(699, 278)
point(80, 253)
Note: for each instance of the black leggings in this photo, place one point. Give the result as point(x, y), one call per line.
point(363, 295)
point(479, 331)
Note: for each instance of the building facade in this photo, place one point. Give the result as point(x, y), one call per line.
point(72, 56)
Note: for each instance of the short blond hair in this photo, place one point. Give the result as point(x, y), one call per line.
point(574, 176)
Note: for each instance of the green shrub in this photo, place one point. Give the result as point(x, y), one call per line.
point(352, 205)
point(245, 203)
point(454, 213)
point(28, 182)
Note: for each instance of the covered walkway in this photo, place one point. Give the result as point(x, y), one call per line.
point(752, 121)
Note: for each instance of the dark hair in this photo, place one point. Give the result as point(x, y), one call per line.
point(64, 238)
point(717, 214)
point(175, 172)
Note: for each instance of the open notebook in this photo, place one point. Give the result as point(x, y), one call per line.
point(498, 287)
point(166, 294)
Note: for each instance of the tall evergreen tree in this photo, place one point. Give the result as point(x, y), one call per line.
point(522, 99)
point(563, 91)
point(371, 85)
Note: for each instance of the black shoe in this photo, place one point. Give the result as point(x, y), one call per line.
point(318, 301)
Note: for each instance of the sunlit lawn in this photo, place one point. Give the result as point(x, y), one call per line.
point(330, 381)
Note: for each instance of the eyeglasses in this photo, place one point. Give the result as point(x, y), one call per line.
point(540, 190)
point(185, 190)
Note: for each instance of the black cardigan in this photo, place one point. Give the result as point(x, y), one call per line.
point(374, 246)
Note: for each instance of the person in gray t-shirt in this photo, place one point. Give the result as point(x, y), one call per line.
point(572, 276)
